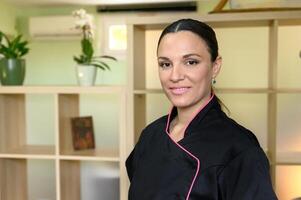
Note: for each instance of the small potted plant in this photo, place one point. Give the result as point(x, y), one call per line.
point(87, 63)
point(12, 66)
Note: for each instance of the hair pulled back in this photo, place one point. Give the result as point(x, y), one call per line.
point(199, 28)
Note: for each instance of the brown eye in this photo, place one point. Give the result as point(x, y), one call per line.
point(192, 62)
point(164, 64)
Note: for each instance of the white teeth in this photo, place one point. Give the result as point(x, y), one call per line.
point(178, 91)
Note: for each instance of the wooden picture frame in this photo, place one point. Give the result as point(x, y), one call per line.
point(82, 133)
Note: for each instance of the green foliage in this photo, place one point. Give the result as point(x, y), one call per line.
point(14, 48)
point(87, 58)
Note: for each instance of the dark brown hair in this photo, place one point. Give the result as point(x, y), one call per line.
point(201, 29)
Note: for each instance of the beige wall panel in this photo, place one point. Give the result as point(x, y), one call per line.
point(289, 61)
point(245, 57)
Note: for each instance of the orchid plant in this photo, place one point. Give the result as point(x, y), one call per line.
point(84, 22)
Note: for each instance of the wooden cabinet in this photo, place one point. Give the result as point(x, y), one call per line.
point(259, 81)
point(37, 159)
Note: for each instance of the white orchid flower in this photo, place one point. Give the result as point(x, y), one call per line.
point(84, 21)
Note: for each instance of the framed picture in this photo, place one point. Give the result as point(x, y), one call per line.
point(82, 133)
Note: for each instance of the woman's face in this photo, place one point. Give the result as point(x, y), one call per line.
point(185, 68)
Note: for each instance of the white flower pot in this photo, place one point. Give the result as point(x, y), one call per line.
point(86, 75)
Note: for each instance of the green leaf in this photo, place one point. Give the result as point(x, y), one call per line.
point(15, 42)
point(23, 52)
point(13, 49)
point(107, 57)
point(101, 63)
point(98, 66)
point(78, 60)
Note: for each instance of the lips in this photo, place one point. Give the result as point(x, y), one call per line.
point(179, 90)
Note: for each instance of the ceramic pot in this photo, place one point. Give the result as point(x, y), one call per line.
point(12, 71)
point(86, 75)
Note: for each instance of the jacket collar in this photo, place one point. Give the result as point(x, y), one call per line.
point(197, 117)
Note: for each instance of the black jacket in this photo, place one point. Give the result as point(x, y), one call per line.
point(217, 159)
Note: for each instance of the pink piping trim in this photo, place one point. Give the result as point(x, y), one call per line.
point(189, 153)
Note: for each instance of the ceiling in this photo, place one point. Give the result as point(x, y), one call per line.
point(84, 2)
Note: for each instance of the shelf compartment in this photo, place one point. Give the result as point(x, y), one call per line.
point(146, 110)
point(288, 182)
point(89, 180)
point(289, 62)
point(22, 127)
point(21, 179)
point(288, 126)
point(104, 111)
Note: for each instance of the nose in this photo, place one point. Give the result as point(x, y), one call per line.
point(177, 73)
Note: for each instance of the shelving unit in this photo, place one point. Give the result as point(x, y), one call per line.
point(264, 82)
point(17, 151)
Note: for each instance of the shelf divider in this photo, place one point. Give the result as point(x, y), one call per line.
point(68, 107)
point(272, 97)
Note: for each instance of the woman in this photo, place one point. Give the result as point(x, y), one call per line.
point(196, 152)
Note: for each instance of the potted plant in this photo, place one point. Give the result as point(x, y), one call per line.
point(12, 66)
point(87, 63)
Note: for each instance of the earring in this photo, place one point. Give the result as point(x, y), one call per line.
point(213, 81)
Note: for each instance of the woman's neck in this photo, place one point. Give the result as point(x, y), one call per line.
point(186, 113)
point(181, 121)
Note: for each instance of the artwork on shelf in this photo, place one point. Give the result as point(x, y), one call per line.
point(82, 133)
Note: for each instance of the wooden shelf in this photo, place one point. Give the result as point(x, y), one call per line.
point(30, 150)
point(231, 90)
point(288, 158)
point(60, 89)
point(157, 22)
point(246, 10)
point(289, 90)
point(66, 102)
point(149, 91)
point(97, 155)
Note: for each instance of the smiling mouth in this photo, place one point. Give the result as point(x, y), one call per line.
point(179, 90)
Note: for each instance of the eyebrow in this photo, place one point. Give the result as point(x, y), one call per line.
point(185, 56)
point(191, 54)
point(164, 58)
